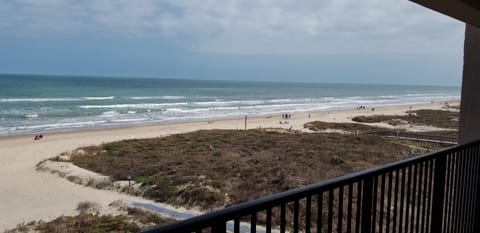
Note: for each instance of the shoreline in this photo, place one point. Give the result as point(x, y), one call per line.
point(216, 119)
point(28, 195)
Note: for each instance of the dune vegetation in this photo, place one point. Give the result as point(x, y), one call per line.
point(210, 169)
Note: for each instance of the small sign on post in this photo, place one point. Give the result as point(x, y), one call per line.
point(129, 177)
point(245, 122)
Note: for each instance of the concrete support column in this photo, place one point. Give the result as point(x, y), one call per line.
point(470, 103)
point(469, 129)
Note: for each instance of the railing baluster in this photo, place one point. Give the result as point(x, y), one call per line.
point(448, 171)
point(477, 196)
point(438, 194)
point(462, 189)
point(407, 203)
point(330, 210)
point(475, 188)
point(295, 215)
point(430, 194)
point(282, 218)
point(395, 202)
point(466, 179)
point(340, 209)
point(457, 191)
point(466, 195)
point(469, 199)
point(402, 202)
point(367, 204)
point(382, 205)
point(349, 208)
point(470, 185)
point(320, 212)
point(308, 214)
point(419, 196)
point(451, 192)
point(389, 201)
point(458, 171)
point(236, 225)
point(219, 227)
point(268, 224)
point(414, 193)
point(448, 186)
point(359, 206)
point(424, 201)
point(253, 223)
point(463, 181)
point(374, 203)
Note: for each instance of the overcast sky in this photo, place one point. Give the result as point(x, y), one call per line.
point(343, 41)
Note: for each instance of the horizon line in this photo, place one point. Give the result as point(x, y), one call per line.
point(222, 80)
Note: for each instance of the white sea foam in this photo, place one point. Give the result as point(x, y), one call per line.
point(59, 125)
point(169, 97)
point(166, 97)
point(14, 100)
point(222, 103)
point(292, 100)
point(130, 120)
point(99, 98)
point(31, 115)
point(140, 106)
point(10, 100)
point(109, 114)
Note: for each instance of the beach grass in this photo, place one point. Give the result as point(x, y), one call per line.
point(352, 128)
point(133, 221)
point(211, 169)
point(346, 127)
point(436, 118)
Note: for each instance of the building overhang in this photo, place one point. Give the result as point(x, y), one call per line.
point(467, 11)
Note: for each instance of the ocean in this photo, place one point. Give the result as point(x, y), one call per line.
point(38, 104)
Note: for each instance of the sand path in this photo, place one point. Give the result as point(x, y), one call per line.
point(27, 194)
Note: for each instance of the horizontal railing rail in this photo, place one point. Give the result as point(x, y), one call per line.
point(435, 192)
point(420, 136)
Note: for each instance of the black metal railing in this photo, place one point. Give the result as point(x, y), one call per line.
point(434, 193)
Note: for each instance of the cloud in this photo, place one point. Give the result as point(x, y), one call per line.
point(244, 27)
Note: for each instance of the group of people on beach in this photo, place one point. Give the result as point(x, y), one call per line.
point(285, 116)
point(362, 107)
point(38, 136)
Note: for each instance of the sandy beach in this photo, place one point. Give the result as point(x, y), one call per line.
point(27, 194)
